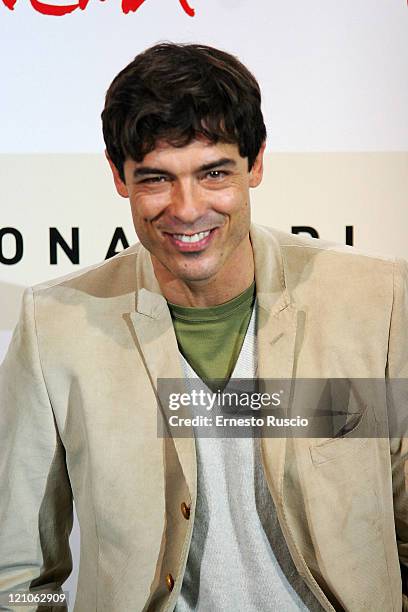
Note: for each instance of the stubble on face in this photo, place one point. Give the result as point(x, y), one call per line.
point(185, 203)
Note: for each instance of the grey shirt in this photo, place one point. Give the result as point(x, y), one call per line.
point(238, 559)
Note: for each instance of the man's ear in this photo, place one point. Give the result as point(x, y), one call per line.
point(119, 184)
point(256, 172)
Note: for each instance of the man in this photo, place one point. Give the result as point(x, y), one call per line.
point(191, 522)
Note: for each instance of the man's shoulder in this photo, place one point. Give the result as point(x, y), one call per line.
point(322, 257)
point(308, 246)
point(107, 278)
point(316, 266)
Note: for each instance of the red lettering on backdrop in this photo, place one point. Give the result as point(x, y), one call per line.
point(133, 5)
point(58, 10)
point(52, 9)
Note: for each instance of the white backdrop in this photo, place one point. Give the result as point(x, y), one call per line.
point(334, 77)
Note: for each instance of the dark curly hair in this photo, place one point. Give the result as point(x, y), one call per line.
point(176, 93)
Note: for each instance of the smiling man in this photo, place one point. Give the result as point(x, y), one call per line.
point(190, 209)
point(203, 522)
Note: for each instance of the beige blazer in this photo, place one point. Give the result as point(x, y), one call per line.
point(79, 419)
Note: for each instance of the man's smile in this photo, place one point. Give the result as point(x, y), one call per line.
point(189, 243)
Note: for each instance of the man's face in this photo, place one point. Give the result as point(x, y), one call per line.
point(190, 206)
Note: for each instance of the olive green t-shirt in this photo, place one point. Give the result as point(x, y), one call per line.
point(211, 338)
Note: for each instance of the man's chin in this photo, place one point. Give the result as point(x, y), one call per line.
point(193, 271)
point(194, 267)
point(195, 277)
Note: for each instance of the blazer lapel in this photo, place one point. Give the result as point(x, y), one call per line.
point(280, 328)
point(276, 347)
point(157, 342)
point(277, 326)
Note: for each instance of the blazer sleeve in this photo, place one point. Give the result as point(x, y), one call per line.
point(397, 368)
point(36, 499)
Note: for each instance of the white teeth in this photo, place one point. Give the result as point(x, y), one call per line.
point(193, 237)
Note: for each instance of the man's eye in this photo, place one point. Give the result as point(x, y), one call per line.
point(155, 179)
point(216, 174)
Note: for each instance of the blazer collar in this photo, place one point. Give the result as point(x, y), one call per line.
point(276, 335)
point(270, 278)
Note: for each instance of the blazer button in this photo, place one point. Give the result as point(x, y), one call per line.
point(169, 582)
point(185, 510)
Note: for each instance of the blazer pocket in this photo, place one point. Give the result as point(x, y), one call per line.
point(352, 436)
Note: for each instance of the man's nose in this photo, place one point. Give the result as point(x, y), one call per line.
point(187, 203)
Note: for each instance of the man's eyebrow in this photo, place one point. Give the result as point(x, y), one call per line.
point(143, 170)
point(224, 161)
